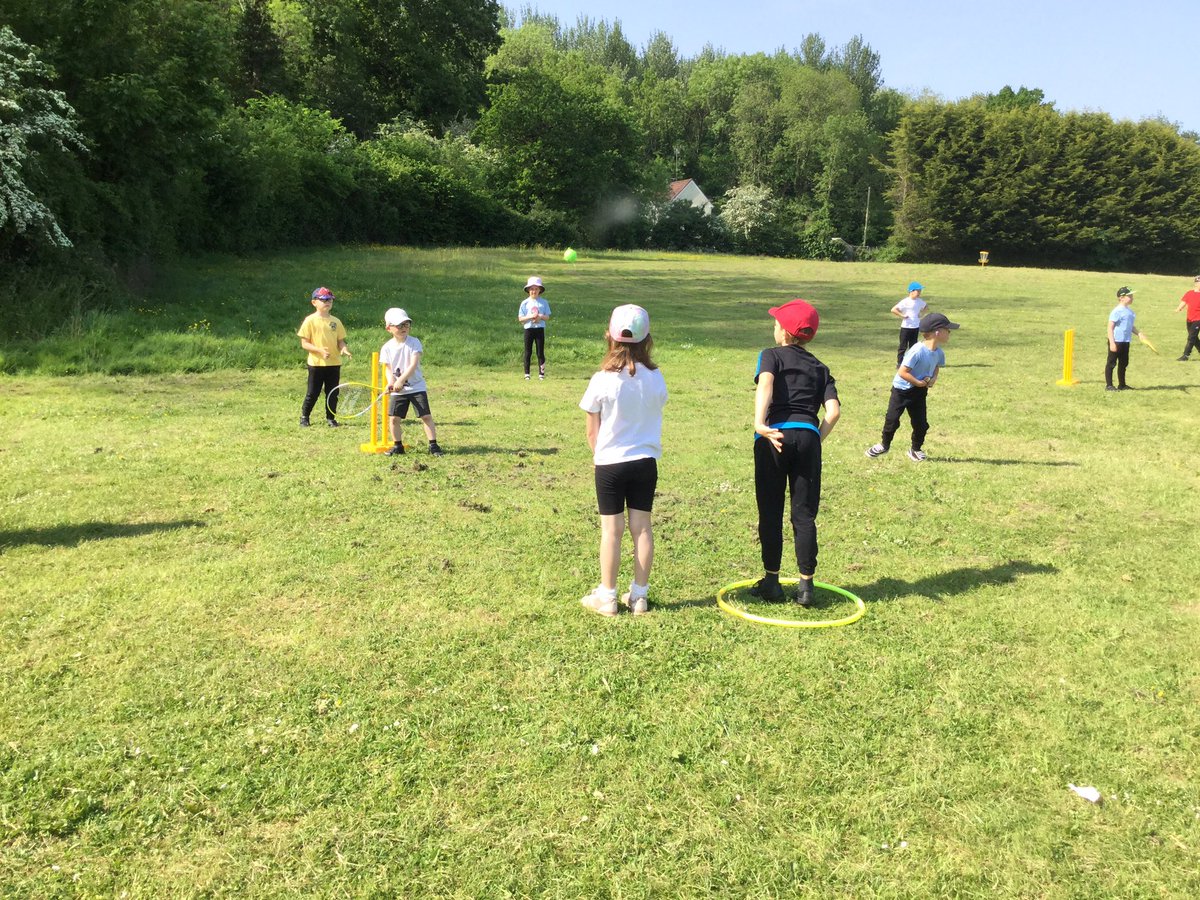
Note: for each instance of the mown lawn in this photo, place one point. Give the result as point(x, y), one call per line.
point(245, 659)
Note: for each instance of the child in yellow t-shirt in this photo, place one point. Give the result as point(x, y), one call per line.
point(324, 337)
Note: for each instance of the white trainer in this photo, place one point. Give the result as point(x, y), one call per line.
point(600, 601)
point(637, 605)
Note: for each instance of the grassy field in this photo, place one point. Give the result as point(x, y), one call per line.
point(241, 659)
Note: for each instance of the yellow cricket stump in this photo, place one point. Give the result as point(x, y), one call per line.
point(790, 623)
point(1068, 378)
point(379, 441)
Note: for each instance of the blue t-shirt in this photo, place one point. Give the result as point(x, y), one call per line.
point(528, 306)
point(1123, 331)
point(922, 363)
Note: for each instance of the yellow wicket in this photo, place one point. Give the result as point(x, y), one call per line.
point(1068, 377)
point(379, 417)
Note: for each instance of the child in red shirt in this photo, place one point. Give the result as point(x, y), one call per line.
point(1191, 300)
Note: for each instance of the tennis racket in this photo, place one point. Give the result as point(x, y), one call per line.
point(1145, 340)
point(353, 399)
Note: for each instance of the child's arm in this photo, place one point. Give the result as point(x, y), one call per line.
point(932, 378)
point(896, 311)
point(1180, 307)
point(343, 350)
point(833, 412)
point(308, 345)
point(1112, 341)
point(762, 402)
point(398, 381)
point(906, 373)
point(593, 429)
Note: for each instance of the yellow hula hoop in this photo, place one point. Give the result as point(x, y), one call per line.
point(790, 623)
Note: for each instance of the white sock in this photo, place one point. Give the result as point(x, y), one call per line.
point(607, 593)
point(638, 590)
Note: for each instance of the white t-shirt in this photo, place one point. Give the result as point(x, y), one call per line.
point(911, 309)
point(630, 410)
point(398, 357)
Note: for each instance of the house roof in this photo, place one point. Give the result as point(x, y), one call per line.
point(676, 187)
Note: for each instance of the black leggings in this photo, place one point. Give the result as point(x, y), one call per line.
point(535, 336)
point(796, 468)
point(908, 337)
point(1193, 341)
point(1120, 359)
point(319, 377)
point(913, 400)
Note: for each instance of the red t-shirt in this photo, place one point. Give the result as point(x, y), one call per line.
point(1192, 299)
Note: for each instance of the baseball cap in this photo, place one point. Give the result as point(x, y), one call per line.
point(396, 316)
point(322, 293)
point(916, 286)
point(796, 316)
point(534, 281)
point(629, 324)
point(1124, 292)
point(934, 321)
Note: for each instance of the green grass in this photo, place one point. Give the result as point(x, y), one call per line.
point(242, 659)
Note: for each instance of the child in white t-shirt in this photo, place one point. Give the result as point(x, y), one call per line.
point(909, 312)
point(624, 403)
point(401, 357)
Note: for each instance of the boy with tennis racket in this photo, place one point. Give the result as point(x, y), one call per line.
point(401, 358)
point(324, 337)
point(793, 387)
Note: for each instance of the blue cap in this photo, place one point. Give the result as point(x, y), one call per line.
point(916, 286)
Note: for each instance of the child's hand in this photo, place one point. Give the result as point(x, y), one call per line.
point(774, 435)
point(324, 353)
point(346, 353)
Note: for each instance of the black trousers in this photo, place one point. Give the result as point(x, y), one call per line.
point(1120, 359)
point(908, 337)
point(1193, 340)
point(319, 377)
point(913, 400)
point(797, 468)
point(535, 336)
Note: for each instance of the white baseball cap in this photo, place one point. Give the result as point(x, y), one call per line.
point(629, 324)
point(534, 281)
point(396, 316)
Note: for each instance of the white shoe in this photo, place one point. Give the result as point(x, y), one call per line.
point(599, 601)
point(877, 450)
point(916, 455)
point(637, 605)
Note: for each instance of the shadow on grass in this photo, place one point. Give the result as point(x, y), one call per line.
point(934, 587)
point(71, 535)
point(487, 450)
point(1167, 387)
point(1003, 462)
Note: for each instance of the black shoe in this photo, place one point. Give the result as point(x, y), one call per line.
point(804, 594)
point(1124, 387)
point(435, 450)
point(767, 589)
point(1182, 359)
point(304, 423)
point(397, 450)
point(1109, 388)
point(333, 423)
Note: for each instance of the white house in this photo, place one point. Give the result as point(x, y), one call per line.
point(687, 190)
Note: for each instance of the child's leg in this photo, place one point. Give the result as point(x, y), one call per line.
point(643, 545)
point(331, 376)
point(395, 423)
point(918, 416)
point(1122, 362)
point(313, 391)
point(528, 347)
point(539, 339)
point(1109, 363)
point(770, 486)
point(908, 337)
point(430, 429)
point(891, 420)
point(612, 529)
point(804, 481)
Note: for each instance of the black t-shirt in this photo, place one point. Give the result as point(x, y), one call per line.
point(802, 384)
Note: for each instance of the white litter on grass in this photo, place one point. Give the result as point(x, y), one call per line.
point(1090, 794)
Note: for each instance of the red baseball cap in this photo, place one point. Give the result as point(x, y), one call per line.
point(796, 317)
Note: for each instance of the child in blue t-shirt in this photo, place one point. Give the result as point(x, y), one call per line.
point(1120, 331)
point(917, 374)
point(533, 315)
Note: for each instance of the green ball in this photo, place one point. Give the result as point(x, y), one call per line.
point(570, 255)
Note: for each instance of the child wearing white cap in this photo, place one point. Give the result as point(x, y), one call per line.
point(533, 315)
point(405, 382)
point(624, 403)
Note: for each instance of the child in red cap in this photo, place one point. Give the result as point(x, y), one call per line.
point(793, 386)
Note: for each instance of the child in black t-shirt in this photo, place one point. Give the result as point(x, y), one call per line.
point(793, 386)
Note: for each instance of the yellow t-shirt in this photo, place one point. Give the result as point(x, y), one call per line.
point(324, 333)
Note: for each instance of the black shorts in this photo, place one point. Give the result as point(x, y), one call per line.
point(624, 484)
point(399, 408)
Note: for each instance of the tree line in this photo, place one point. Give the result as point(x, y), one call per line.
point(132, 130)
